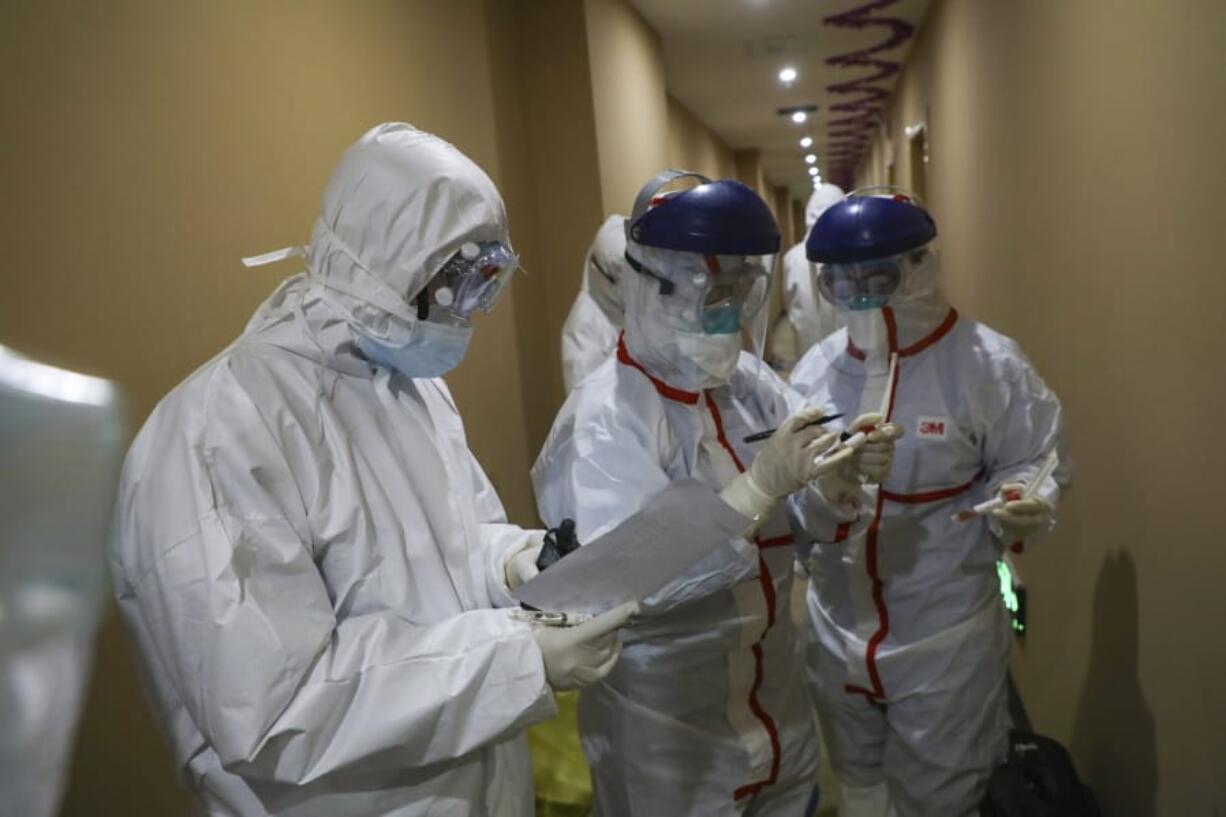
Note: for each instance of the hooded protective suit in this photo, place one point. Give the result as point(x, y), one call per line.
point(910, 644)
point(705, 713)
point(308, 555)
point(589, 335)
point(809, 317)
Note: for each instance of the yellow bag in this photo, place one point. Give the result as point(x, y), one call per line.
point(563, 785)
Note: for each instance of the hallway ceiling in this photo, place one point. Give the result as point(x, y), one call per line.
point(722, 60)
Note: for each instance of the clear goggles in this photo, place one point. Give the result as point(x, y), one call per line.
point(471, 280)
point(870, 284)
point(711, 294)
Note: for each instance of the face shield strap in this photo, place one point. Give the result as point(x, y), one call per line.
point(666, 286)
point(647, 194)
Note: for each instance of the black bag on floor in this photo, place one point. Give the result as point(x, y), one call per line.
point(1037, 780)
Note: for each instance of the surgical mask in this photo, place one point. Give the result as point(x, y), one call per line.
point(722, 319)
point(711, 358)
point(433, 349)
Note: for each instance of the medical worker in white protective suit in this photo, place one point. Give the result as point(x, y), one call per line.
point(589, 335)
point(706, 712)
point(307, 554)
point(807, 318)
point(911, 641)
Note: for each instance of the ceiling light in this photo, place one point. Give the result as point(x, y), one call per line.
point(811, 159)
point(806, 142)
point(788, 75)
point(813, 171)
point(799, 117)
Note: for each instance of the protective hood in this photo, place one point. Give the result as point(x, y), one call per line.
point(823, 196)
point(399, 205)
point(606, 259)
point(917, 311)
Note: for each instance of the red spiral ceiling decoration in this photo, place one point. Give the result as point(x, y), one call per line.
point(848, 133)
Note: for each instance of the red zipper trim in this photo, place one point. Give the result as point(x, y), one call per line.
point(920, 345)
point(768, 592)
point(690, 398)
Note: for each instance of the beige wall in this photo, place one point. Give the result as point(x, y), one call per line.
point(631, 104)
point(147, 147)
point(546, 133)
point(1076, 164)
point(694, 146)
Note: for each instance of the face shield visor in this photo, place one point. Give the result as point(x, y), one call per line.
point(703, 294)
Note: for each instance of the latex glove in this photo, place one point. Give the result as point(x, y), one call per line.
point(787, 461)
point(1019, 518)
point(582, 655)
point(519, 565)
point(844, 472)
point(877, 455)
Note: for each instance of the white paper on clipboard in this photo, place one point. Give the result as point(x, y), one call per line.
point(677, 528)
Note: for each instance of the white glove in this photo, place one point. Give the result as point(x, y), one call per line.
point(785, 464)
point(519, 565)
point(843, 474)
point(1019, 518)
point(877, 455)
point(582, 655)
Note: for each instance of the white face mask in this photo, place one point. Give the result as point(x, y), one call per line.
point(711, 359)
point(433, 349)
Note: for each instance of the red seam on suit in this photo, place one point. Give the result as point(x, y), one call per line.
point(915, 348)
point(883, 612)
point(775, 541)
point(767, 584)
point(871, 566)
point(690, 398)
point(929, 496)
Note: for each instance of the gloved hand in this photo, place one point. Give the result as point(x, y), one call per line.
point(582, 655)
point(519, 565)
point(1019, 517)
point(787, 459)
point(877, 455)
point(840, 480)
point(786, 463)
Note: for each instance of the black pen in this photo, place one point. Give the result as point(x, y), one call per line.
point(762, 435)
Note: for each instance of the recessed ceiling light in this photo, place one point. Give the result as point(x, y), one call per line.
point(811, 159)
point(799, 117)
point(806, 142)
point(813, 171)
point(788, 75)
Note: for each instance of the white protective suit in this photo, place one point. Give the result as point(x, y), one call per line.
point(308, 555)
point(589, 335)
point(809, 315)
point(706, 712)
point(911, 640)
point(62, 435)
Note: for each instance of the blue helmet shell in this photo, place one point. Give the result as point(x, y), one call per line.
point(863, 228)
point(721, 217)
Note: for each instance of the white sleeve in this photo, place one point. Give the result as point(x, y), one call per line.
point(498, 537)
point(240, 623)
point(1020, 421)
